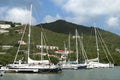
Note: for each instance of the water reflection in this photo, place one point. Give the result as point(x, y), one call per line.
point(92, 74)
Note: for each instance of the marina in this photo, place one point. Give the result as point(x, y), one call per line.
point(59, 40)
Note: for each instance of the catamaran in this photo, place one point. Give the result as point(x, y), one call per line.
point(33, 66)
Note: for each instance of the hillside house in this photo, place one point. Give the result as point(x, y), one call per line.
point(3, 31)
point(6, 47)
point(64, 51)
point(22, 42)
point(47, 47)
point(5, 26)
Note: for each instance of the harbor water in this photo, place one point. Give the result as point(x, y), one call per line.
point(91, 74)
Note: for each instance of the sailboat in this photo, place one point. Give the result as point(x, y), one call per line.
point(74, 64)
point(95, 63)
point(33, 66)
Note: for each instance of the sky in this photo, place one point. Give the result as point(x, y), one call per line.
point(104, 14)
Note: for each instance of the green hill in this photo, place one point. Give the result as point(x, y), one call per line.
point(56, 35)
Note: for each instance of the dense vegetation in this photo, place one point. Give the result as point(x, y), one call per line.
point(56, 35)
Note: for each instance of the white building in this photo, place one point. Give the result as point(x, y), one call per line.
point(117, 50)
point(5, 26)
point(47, 47)
point(2, 52)
point(22, 42)
point(6, 47)
point(3, 31)
point(64, 51)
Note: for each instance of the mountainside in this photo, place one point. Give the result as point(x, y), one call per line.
point(61, 26)
point(56, 34)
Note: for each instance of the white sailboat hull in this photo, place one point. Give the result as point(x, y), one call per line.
point(33, 68)
point(74, 66)
point(99, 65)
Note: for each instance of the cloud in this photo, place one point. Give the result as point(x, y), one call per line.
point(114, 23)
point(16, 15)
point(96, 7)
point(90, 9)
point(50, 18)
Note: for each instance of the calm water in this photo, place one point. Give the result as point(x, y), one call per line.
point(92, 74)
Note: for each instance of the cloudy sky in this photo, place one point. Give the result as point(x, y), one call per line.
point(104, 13)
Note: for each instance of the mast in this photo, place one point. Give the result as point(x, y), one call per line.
point(96, 37)
point(41, 46)
point(69, 48)
point(29, 33)
point(69, 43)
point(65, 50)
point(76, 36)
point(82, 48)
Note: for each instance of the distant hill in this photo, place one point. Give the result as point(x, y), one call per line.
point(56, 35)
point(62, 26)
